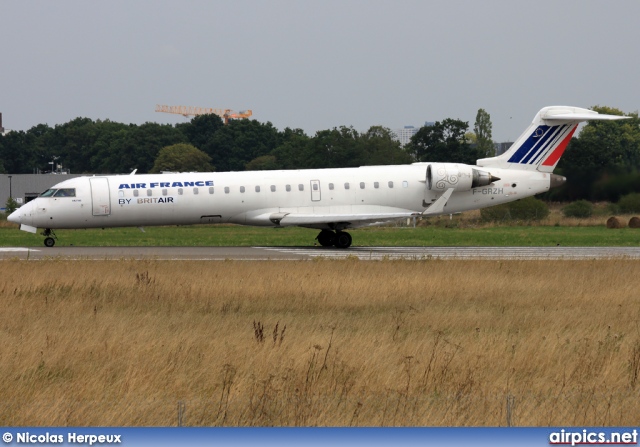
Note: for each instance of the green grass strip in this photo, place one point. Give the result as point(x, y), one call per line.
point(225, 235)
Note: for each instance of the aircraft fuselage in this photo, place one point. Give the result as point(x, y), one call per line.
point(252, 198)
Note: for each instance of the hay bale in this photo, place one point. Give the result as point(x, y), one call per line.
point(634, 222)
point(614, 222)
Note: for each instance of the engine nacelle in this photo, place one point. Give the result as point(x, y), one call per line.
point(443, 176)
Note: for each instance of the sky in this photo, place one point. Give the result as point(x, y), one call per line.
point(316, 65)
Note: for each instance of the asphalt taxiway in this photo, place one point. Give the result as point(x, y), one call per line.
point(308, 253)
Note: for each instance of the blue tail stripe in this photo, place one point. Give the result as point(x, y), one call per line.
point(553, 143)
point(542, 143)
point(529, 143)
point(549, 143)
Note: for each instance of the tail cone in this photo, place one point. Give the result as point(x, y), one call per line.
point(557, 180)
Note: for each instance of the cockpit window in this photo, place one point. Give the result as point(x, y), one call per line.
point(65, 192)
point(48, 193)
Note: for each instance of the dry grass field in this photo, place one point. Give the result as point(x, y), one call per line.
point(325, 343)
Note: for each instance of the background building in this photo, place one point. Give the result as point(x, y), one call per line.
point(404, 135)
point(501, 148)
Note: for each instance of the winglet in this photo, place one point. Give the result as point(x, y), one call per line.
point(437, 207)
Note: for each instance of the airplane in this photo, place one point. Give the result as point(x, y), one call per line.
point(329, 200)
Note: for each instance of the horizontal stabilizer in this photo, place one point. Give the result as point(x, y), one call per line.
point(577, 114)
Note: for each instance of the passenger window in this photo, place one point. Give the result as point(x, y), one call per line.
point(361, 185)
point(390, 184)
point(135, 193)
point(376, 185)
point(273, 188)
point(257, 189)
point(405, 184)
point(242, 189)
point(301, 187)
point(180, 191)
point(226, 190)
point(121, 193)
point(346, 185)
point(149, 193)
point(164, 192)
point(210, 189)
point(331, 186)
point(195, 191)
point(288, 188)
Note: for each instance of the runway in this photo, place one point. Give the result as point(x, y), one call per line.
point(310, 253)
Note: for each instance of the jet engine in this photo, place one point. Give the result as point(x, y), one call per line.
point(443, 176)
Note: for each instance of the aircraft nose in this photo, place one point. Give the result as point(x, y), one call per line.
point(15, 217)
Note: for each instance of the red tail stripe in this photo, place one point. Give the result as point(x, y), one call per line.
point(553, 158)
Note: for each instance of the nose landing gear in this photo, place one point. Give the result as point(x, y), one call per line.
point(339, 239)
point(49, 241)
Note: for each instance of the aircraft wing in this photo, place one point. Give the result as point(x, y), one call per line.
point(336, 220)
point(342, 221)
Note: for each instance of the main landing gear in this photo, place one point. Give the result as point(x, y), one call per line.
point(339, 239)
point(48, 240)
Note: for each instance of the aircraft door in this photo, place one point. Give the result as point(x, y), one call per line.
point(100, 198)
point(315, 190)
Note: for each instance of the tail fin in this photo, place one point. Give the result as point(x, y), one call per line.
point(543, 143)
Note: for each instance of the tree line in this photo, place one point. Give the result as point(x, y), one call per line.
point(601, 163)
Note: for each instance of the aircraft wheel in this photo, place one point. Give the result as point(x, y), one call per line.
point(49, 242)
point(326, 238)
point(343, 239)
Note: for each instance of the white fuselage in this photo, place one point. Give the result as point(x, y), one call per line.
point(254, 197)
